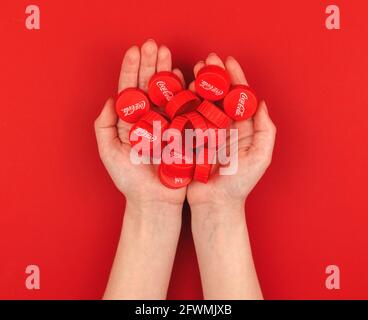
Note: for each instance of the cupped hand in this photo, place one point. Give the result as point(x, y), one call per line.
point(139, 183)
point(256, 138)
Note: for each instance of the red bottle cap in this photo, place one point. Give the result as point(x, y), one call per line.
point(131, 104)
point(213, 135)
point(177, 127)
point(210, 125)
point(163, 86)
point(183, 169)
point(172, 182)
point(180, 123)
point(182, 102)
point(240, 103)
point(160, 111)
point(142, 130)
point(202, 171)
point(212, 83)
point(153, 116)
point(214, 114)
point(198, 122)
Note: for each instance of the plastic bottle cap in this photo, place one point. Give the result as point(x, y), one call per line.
point(198, 122)
point(214, 114)
point(202, 171)
point(213, 135)
point(172, 182)
point(210, 125)
point(163, 86)
point(182, 102)
point(212, 83)
point(240, 103)
point(142, 130)
point(131, 104)
point(153, 116)
point(180, 123)
point(182, 169)
point(160, 111)
point(177, 127)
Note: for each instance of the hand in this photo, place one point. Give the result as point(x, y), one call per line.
point(218, 223)
point(256, 139)
point(152, 218)
point(139, 183)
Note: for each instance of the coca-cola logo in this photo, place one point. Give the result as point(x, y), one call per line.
point(140, 132)
point(127, 111)
point(209, 87)
point(240, 108)
point(165, 91)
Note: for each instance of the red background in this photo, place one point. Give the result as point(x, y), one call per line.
point(58, 207)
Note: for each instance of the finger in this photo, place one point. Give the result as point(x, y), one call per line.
point(164, 61)
point(199, 65)
point(148, 63)
point(235, 71)
point(192, 86)
point(105, 127)
point(264, 132)
point(124, 130)
point(245, 127)
point(180, 75)
point(129, 69)
point(245, 133)
point(214, 59)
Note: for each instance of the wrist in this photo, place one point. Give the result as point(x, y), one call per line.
point(146, 214)
point(153, 208)
point(224, 253)
point(145, 252)
point(223, 218)
point(218, 210)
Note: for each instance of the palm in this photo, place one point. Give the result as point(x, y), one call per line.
point(255, 144)
point(141, 181)
point(227, 187)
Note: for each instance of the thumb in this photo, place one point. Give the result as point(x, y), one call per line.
point(264, 132)
point(105, 126)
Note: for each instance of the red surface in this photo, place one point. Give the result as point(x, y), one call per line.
point(60, 210)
